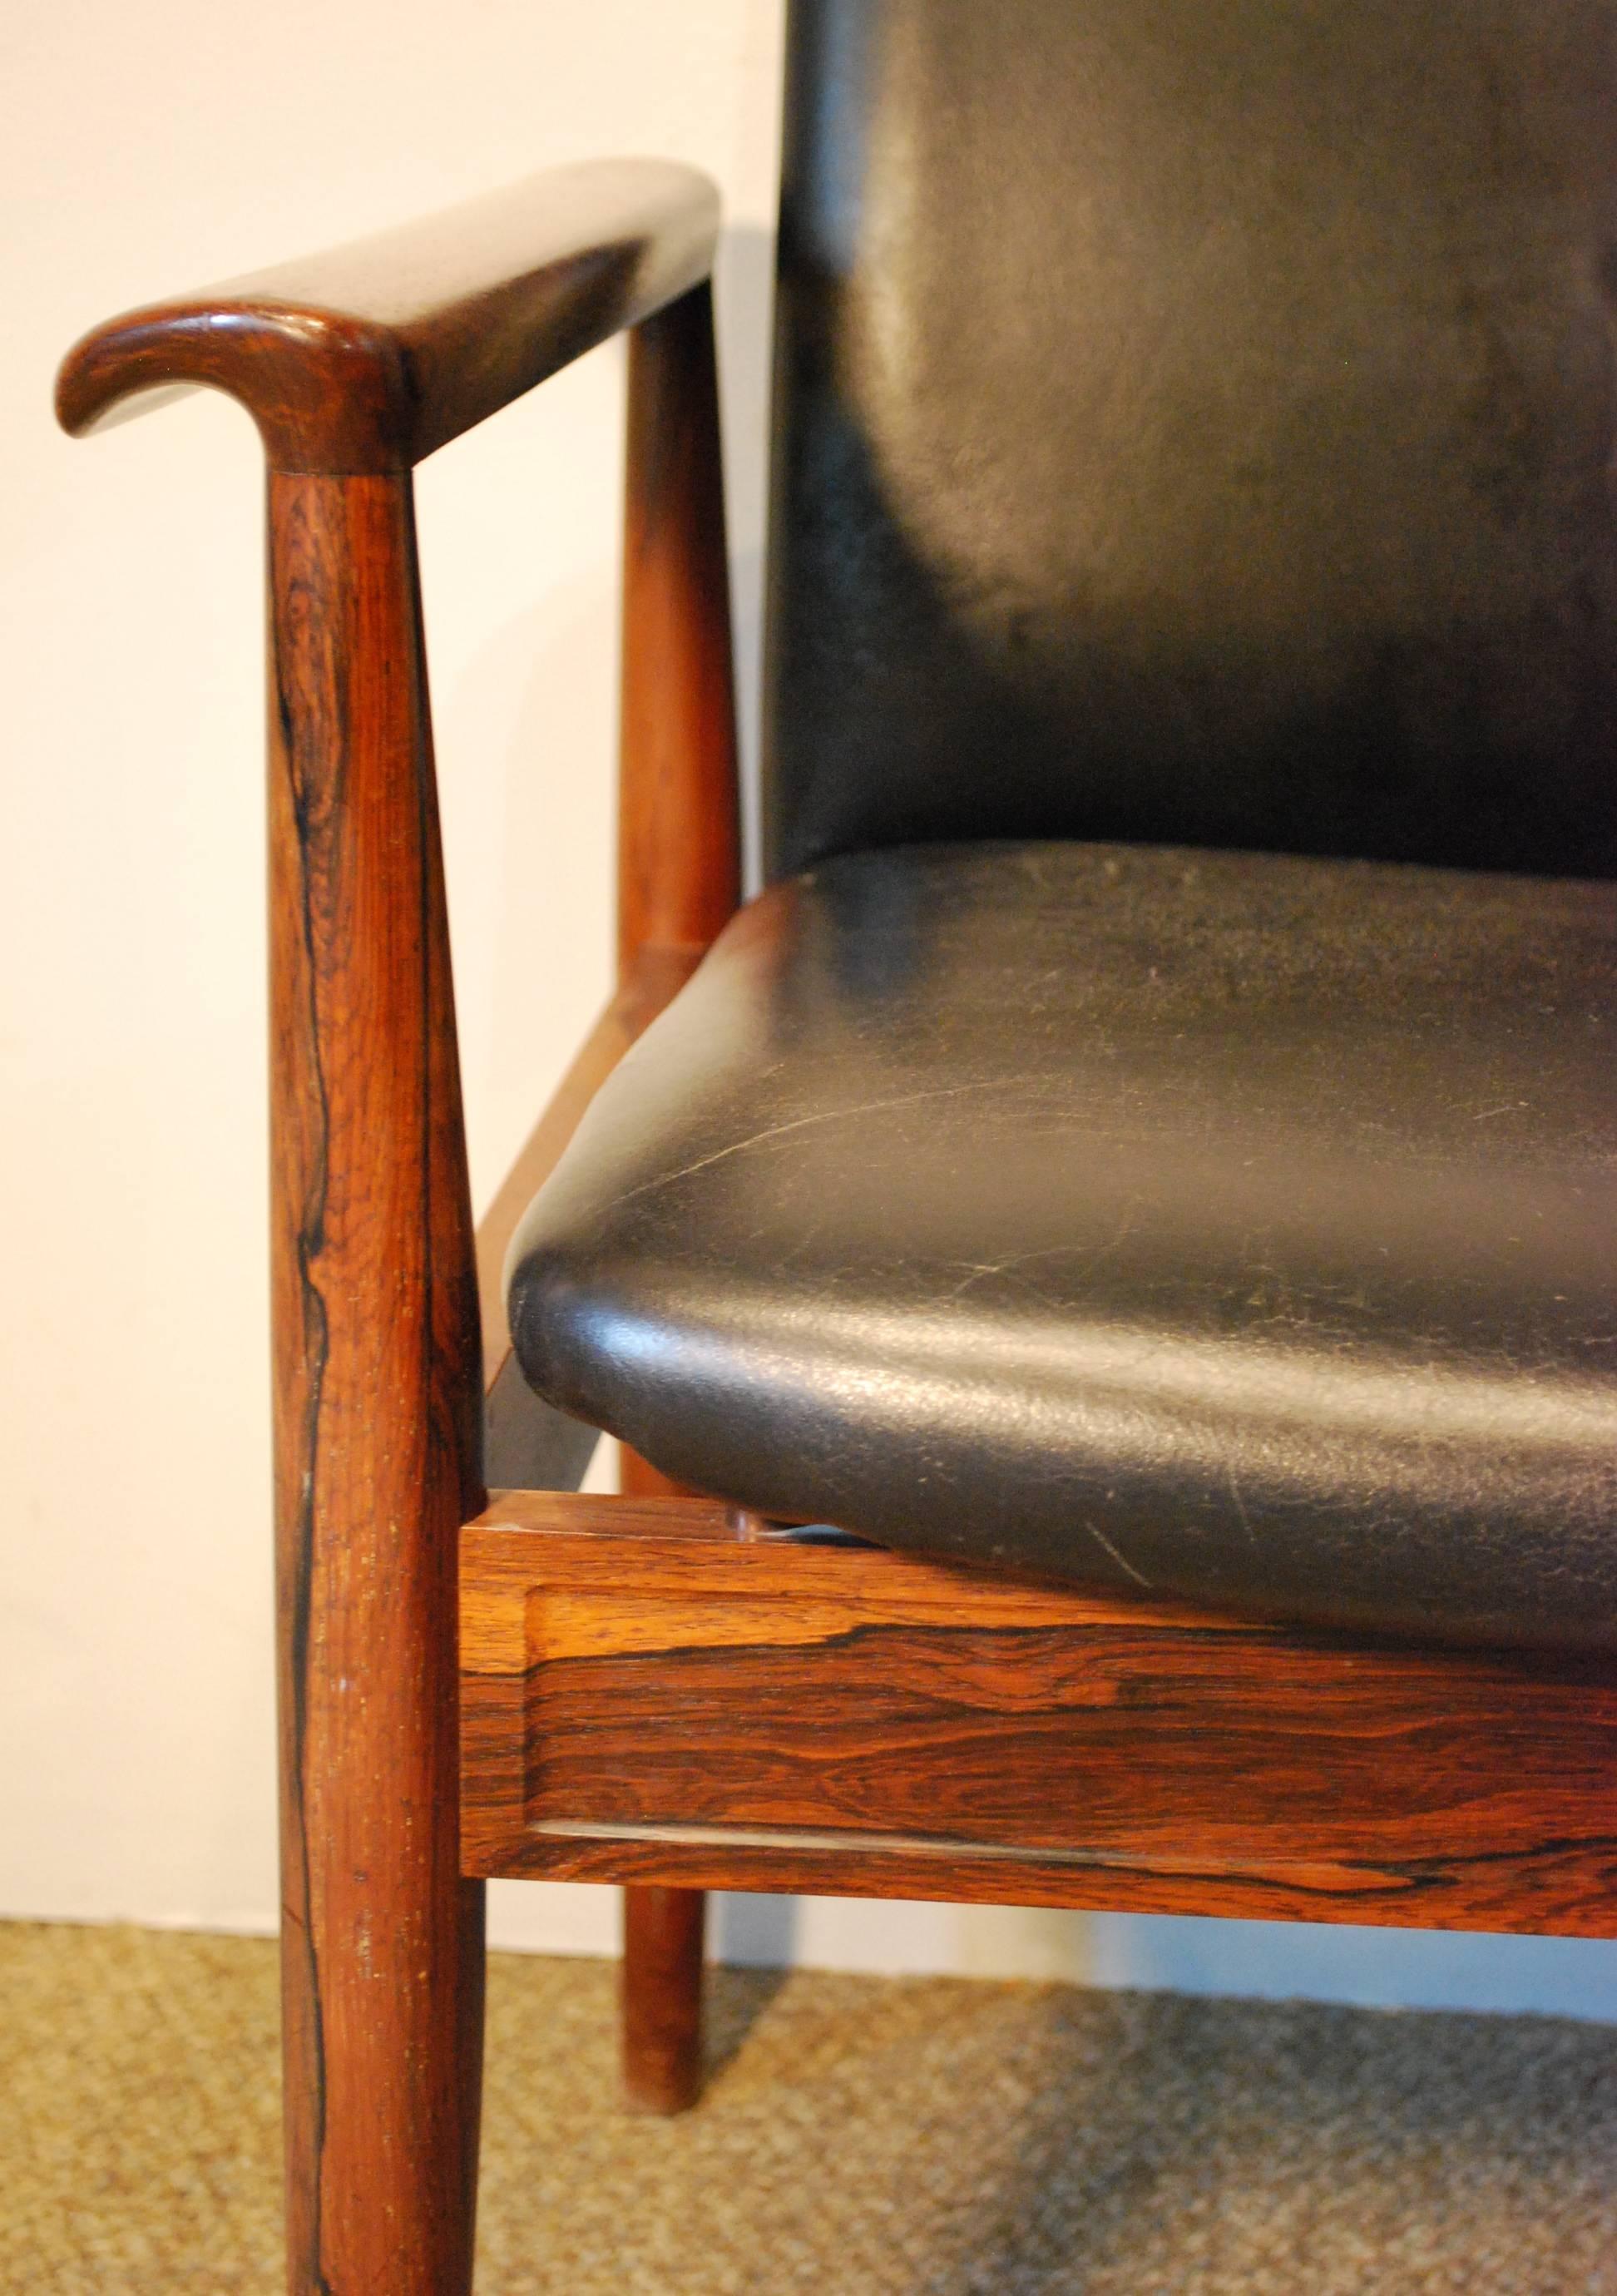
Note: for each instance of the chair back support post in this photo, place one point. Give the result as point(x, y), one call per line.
point(678, 884)
point(678, 791)
point(678, 833)
point(378, 1400)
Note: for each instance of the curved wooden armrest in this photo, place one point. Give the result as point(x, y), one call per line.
point(368, 358)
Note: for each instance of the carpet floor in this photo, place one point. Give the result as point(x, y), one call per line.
point(860, 2137)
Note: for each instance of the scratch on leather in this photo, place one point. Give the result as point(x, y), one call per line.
point(818, 1116)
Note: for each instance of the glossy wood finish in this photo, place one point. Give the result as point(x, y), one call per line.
point(354, 366)
point(378, 1401)
point(686, 1705)
point(678, 820)
point(662, 1997)
point(370, 357)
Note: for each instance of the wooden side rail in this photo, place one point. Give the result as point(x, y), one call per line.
point(604, 1046)
point(652, 1691)
point(367, 359)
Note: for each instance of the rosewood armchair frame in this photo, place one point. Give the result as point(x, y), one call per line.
point(660, 1690)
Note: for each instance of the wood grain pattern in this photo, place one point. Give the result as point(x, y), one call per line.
point(354, 366)
point(378, 1404)
point(707, 1708)
point(366, 358)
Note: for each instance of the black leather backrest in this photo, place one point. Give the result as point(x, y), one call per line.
point(1195, 422)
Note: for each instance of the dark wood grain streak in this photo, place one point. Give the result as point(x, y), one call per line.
point(378, 1402)
point(366, 358)
point(706, 1709)
point(354, 366)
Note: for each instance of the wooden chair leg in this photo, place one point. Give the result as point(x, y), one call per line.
point(378, 1402)
point(662, 1938)
point(678, 882)
point(663, 1930)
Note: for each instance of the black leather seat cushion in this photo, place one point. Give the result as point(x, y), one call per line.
point(1228, 1225)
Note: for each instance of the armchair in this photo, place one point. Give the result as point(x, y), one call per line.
point(1104, 1266)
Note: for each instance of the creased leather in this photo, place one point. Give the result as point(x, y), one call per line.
point(1196, 424)
point(1232, 1226)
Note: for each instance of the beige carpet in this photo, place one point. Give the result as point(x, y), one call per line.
point(860, 2137)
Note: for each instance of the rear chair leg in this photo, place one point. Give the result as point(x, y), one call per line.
point(662, 1935)
point(678, 883)
point(663, 1941)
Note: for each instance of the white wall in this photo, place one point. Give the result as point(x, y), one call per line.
point(149, 149)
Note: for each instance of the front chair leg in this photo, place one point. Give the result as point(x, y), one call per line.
point(378, 1389)
point(377, 1407)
